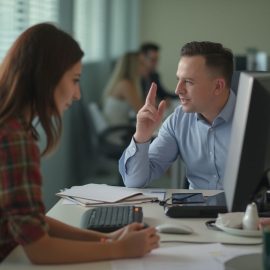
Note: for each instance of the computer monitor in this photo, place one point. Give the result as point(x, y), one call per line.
point(249, 150)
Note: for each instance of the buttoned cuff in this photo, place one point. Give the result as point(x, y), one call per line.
point(134, 147)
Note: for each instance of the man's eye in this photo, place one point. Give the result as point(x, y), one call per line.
point(188, 82)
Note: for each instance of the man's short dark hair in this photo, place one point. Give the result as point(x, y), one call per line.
point(216, 56)
point(149, 46)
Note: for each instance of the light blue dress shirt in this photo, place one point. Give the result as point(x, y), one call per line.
point(202, 147)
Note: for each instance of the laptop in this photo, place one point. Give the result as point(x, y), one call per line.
point(212, 206)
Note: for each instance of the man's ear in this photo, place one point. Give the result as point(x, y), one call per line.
point(220, 85)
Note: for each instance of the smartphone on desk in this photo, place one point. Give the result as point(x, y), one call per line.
point(186, 198)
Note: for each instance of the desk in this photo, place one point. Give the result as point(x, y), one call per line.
point(153, 215)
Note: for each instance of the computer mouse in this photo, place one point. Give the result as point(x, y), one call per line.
point(174, 229)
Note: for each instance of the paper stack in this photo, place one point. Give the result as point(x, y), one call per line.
point(95, 194)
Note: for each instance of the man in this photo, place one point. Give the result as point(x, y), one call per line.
point(150, 56)
point(199, 129)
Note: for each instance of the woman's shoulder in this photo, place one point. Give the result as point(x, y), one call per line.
point(10, 124)
point(125, 84)
point(123, 89)
point(115, 102)
point(14, 130)
point(15, 138)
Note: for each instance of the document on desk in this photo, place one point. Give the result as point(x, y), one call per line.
point(192, 257)
point(95, 194)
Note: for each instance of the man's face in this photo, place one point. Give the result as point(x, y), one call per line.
point(196, 85)
point(151, 60)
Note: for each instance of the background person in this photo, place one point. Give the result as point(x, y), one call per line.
point(39, 80)
point(123, 95)
point(150, 54)
point(199, 129)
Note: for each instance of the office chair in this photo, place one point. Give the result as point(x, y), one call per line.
point(111, 140)
point(104, 140)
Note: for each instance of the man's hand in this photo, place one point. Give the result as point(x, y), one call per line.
point(149, 116)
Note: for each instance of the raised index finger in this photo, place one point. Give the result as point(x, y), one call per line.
point(151, 96)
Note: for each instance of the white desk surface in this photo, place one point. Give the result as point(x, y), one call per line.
point(153, 215)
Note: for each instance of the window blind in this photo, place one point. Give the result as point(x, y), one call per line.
point(90, 23)
point(106, 28)
point(17, 15)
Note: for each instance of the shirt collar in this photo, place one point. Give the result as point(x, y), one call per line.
point(226, 113)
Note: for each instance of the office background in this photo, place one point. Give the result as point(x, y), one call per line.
point(106, 29)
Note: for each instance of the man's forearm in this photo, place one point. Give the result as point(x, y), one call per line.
point(134, 170)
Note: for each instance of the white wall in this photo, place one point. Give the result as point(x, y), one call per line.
point(237, 24)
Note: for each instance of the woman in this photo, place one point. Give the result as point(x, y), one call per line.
point(39, 80)
point(123, 95)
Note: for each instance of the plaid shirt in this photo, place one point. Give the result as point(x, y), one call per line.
point(22, 213)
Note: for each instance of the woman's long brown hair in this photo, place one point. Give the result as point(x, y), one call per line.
point(29, 74)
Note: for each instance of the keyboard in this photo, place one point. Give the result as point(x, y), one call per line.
point(110, 218)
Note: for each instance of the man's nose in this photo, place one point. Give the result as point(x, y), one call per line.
point(179, 87)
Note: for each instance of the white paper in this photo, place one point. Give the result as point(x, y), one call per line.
point(138, 199)
point(96, 193)
point(160, 195)
point(100, 193)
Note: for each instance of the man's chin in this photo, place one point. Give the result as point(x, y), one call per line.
point(186, 109)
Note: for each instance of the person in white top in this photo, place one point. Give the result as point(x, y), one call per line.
point(123, 96)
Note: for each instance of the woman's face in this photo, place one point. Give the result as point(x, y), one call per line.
point(68, 88)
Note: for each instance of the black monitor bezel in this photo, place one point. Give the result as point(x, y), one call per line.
point(247, 153)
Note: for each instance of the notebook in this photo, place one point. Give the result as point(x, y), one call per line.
point(209, 209)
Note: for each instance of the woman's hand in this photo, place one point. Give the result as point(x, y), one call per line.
point(116, 235)
point(136, 241)
point(264, 222)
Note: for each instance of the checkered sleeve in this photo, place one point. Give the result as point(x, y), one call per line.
point(20, 180)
